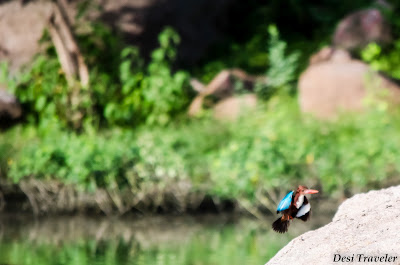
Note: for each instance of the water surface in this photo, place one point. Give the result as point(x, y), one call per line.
point(189, 240)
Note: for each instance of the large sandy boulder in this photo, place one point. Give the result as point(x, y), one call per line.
point(365, 230)
point(335, 82)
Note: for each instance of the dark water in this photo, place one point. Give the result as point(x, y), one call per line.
point(205, 240)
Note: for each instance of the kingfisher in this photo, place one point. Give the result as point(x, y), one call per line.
point(293, 205)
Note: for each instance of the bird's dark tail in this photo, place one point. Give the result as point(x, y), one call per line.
point(280, 225)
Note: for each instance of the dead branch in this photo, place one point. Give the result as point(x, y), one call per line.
point(197, 85)
point(68, 51)
point(63, 7)
point(222, 86)
point(62, 52)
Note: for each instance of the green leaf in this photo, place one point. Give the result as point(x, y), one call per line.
point(40, 103)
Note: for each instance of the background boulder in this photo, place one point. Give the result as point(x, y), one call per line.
point(334, 82)
point(231, 108)
point(222, 89)
point(21, 27)
point(359, 28)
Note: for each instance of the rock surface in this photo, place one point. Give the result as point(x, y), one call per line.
point(365, 224)
point(335, 82)
point(359, 28)
point(10, 108)
point(21, 27)
point(231, 108)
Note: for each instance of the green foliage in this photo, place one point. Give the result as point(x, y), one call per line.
point(282, 68)
point(84, 161)
point(385, 61)
point(164, 91)
point(123, 105)
point(246, 160)
point(123, 91)
point(151, 93)
point(45, 95)
point(117, 159)
point(282, 149)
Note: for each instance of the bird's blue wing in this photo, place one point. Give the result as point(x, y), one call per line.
point(285, 202)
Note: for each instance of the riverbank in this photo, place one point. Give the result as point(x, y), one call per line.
point(200, 164)
point(54, 198)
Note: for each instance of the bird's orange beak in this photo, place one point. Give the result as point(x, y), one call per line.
point(310, 191)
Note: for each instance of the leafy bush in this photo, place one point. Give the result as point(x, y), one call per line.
point(45, 95)
point(117, 159)
point(284, 149)
point(282, 67)
point(386, 61)
point(82, 160)
point(163, 91)
point(153, 95)
point(134, 94)
point(253, 160)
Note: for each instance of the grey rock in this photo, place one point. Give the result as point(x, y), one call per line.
point(367, 224)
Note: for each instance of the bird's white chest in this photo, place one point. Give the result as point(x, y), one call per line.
point(303, 210)
point(300, 201)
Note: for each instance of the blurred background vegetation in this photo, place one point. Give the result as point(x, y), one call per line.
point(124, 144)
point(127, 132)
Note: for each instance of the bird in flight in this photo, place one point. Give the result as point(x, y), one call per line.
point(293, 205)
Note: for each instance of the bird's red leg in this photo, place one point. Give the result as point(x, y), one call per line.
point(286, 217)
